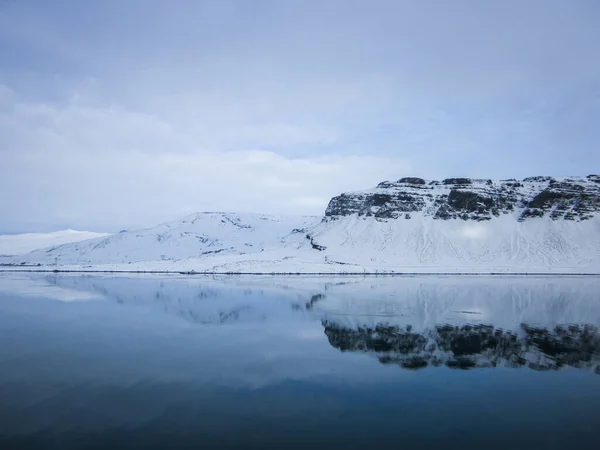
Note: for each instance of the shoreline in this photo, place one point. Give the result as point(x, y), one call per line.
point(330, 274)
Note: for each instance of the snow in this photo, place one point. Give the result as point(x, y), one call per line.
point(19, 244)
point(503, 243)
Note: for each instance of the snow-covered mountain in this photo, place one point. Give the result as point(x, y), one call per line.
point(199, 235)
point(538, 224)
point(19, 244)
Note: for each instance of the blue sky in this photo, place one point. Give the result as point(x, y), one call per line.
point(118, 114)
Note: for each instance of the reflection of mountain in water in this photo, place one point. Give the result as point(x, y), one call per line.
point(470, 346)
point(487, 322)
point(198, 300)
point(421, 302)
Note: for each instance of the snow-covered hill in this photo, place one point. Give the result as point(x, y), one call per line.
point(458, 225)
point(200, 235)
point(19, 244)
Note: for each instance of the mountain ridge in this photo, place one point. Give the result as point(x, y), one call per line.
point(571, 198)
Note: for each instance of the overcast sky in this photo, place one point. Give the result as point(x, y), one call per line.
point(124, 113)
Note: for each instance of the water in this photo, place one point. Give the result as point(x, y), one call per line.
point(299, 362)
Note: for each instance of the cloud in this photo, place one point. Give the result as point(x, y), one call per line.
point(107, 168)
point(127, 113)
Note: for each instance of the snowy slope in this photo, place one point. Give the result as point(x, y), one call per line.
point(19, 244)
point(501, 243)
point(199, 235)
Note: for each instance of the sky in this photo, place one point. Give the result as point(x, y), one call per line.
point(122, 114)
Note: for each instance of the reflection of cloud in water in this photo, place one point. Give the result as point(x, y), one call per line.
point(312, 334)
point(42, 287)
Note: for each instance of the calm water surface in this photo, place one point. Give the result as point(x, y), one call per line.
point(299, 362)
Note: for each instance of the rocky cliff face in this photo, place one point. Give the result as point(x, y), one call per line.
point(575, 198)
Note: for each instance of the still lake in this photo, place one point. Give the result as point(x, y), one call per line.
point(112, 361)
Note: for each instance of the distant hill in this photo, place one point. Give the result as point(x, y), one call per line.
point(19, 244)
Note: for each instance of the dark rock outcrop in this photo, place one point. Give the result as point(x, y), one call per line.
point(412, 180)
point(314, 245)
point(566, 199)
point(575, 198)
point(459, 181)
